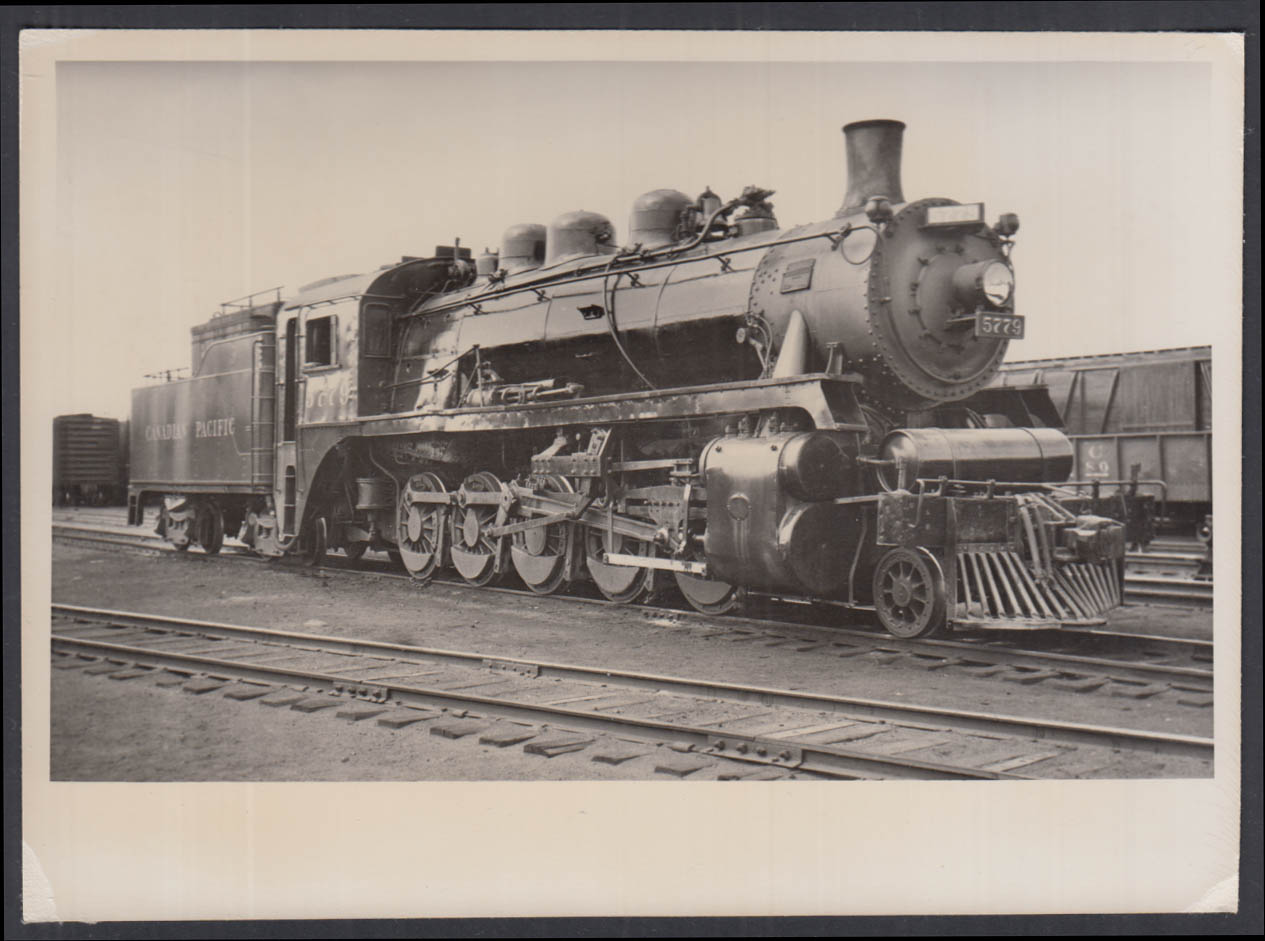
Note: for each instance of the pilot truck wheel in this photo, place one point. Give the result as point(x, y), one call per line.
point(909, 593)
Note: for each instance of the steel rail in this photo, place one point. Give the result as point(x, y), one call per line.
point(1017, 656)
point(1110, 668)
point(951, 719)
point(821, 759)
point(1173, 590)
point(1198, 592)
point(133, 541)
point(1188, 559)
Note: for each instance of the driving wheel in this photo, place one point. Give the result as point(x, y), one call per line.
point(620, 583)
point(540, 554)
point(419, 527)
point(709, 595)
point(477, 557)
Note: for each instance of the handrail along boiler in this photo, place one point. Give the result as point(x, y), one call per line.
point(722, 405)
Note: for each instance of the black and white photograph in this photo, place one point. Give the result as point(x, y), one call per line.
point(589, 460)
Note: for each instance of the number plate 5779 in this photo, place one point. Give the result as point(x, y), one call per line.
point(1005, 326)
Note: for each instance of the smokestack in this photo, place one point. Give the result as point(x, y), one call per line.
point(873, 163)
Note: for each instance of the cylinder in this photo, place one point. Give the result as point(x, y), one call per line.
point(373, 493)
point(574, 234)
point(523, 246)
point(814, 466)
point(873, 154)
point(1015, 455)
point(655, 218)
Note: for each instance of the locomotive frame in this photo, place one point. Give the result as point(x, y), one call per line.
point(543, 413)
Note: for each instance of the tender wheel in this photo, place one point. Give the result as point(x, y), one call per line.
point(168, 529)
point(419, 527)
point(909, 593)
point(209, 530)
point(175, 530)
point(355, 551)
point(317, 542)
point(709, 595)
point(540, 555)
point(477, 557)
point(620, 583)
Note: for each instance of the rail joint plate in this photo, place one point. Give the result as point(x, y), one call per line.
point(511, 666)
point(786, 756)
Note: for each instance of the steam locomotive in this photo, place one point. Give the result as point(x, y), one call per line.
point(722, 405)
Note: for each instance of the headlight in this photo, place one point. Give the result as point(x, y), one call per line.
point(997, 282)
point(990, 282)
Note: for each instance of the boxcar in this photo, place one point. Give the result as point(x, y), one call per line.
point(89, 460)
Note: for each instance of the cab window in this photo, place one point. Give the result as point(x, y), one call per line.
point(375, 331)
point(319, 342)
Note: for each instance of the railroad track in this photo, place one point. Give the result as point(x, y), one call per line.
point(1164, 577)
point(560, 706)
point(1169, 571)
point(1168, 590)
point(1186, 544)
point(1179, 564)
point(1098, 662)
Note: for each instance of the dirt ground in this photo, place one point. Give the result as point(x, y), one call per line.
point(104, 729)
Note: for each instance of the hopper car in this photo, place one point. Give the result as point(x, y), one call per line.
point(1132, 417)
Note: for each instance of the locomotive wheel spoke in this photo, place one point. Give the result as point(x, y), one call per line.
point(420, 527)
point(540, 555)
point(909, 593)
point(619, 583)
point(477, 557)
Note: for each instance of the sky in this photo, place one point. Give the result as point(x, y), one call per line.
point(180, 185)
